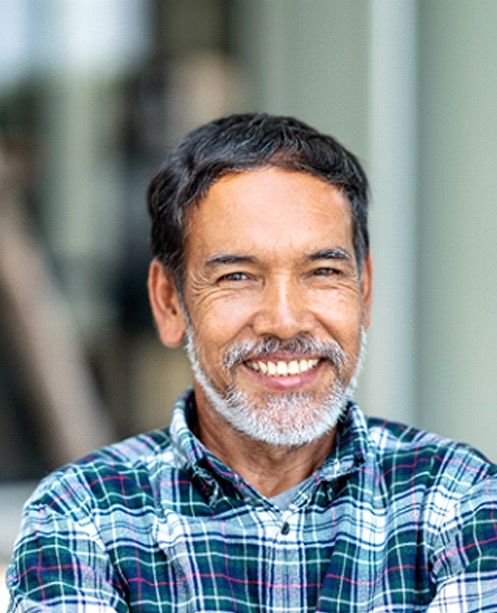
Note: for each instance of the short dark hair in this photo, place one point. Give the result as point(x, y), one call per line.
point(237, 143)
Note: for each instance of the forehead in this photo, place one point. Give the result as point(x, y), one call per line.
point(270, 207)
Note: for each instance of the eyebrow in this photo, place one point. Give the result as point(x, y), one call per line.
point(220, 259)
point(335, 253)
point(224, 259)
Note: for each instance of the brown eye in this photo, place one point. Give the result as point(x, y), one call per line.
point(325, 272)
point(234, 276)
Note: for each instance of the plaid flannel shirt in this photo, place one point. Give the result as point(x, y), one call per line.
point(395, 520)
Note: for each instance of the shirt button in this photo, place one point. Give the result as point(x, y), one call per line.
point(285, 529)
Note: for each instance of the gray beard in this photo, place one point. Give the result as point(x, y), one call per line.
point(291, 419)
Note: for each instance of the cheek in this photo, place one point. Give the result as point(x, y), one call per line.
point(342, 320)
point(219, 317)
point(215, 332)
point(339, 309)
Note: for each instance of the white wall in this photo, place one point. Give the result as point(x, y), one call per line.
point(457, 282)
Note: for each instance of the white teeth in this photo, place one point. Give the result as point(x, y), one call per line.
point(283, 369)
point(293, 368)
point(271, 369)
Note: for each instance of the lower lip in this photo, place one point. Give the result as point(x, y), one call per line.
point(288, 382)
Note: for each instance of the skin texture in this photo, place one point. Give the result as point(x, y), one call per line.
point(269, 254)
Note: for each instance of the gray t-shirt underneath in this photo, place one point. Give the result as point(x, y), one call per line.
point(284, 499)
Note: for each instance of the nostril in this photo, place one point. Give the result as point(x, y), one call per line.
point(281, 324)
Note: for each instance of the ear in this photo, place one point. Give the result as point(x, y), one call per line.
point(166, 305)
point(367, 289)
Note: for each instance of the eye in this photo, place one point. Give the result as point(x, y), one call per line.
point(233, 276)
point(324, 271)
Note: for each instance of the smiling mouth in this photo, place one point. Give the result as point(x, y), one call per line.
point(282, 368)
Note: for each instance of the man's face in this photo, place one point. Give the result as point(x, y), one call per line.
point(275, 303)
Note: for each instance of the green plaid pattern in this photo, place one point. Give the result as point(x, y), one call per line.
point(395, 520)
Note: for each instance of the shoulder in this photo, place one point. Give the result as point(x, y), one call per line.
point(107, 476)
point(403, 452)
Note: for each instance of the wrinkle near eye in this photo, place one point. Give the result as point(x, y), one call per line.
point(206, 288)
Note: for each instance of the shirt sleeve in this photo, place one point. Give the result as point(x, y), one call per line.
point(465, 554)
point(59, 564)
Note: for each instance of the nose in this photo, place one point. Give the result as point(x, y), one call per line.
point(284, 310)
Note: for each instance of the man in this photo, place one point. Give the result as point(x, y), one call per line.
point(270, 491)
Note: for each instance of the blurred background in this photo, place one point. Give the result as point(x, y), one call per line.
point(92, 95)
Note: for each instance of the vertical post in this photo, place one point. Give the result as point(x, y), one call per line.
point(389, 382)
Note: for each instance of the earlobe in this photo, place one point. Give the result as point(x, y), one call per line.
point(166, 305)
point(367, 289)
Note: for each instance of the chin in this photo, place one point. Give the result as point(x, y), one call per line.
point(292, 419)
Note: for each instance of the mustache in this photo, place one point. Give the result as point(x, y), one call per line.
point(300, 345)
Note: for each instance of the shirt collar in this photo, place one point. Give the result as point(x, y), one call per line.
point(351, 445)
point(188, 449)
point(348, 455)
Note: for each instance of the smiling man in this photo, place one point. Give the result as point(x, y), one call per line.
point(273, 301)
point(270, 490)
